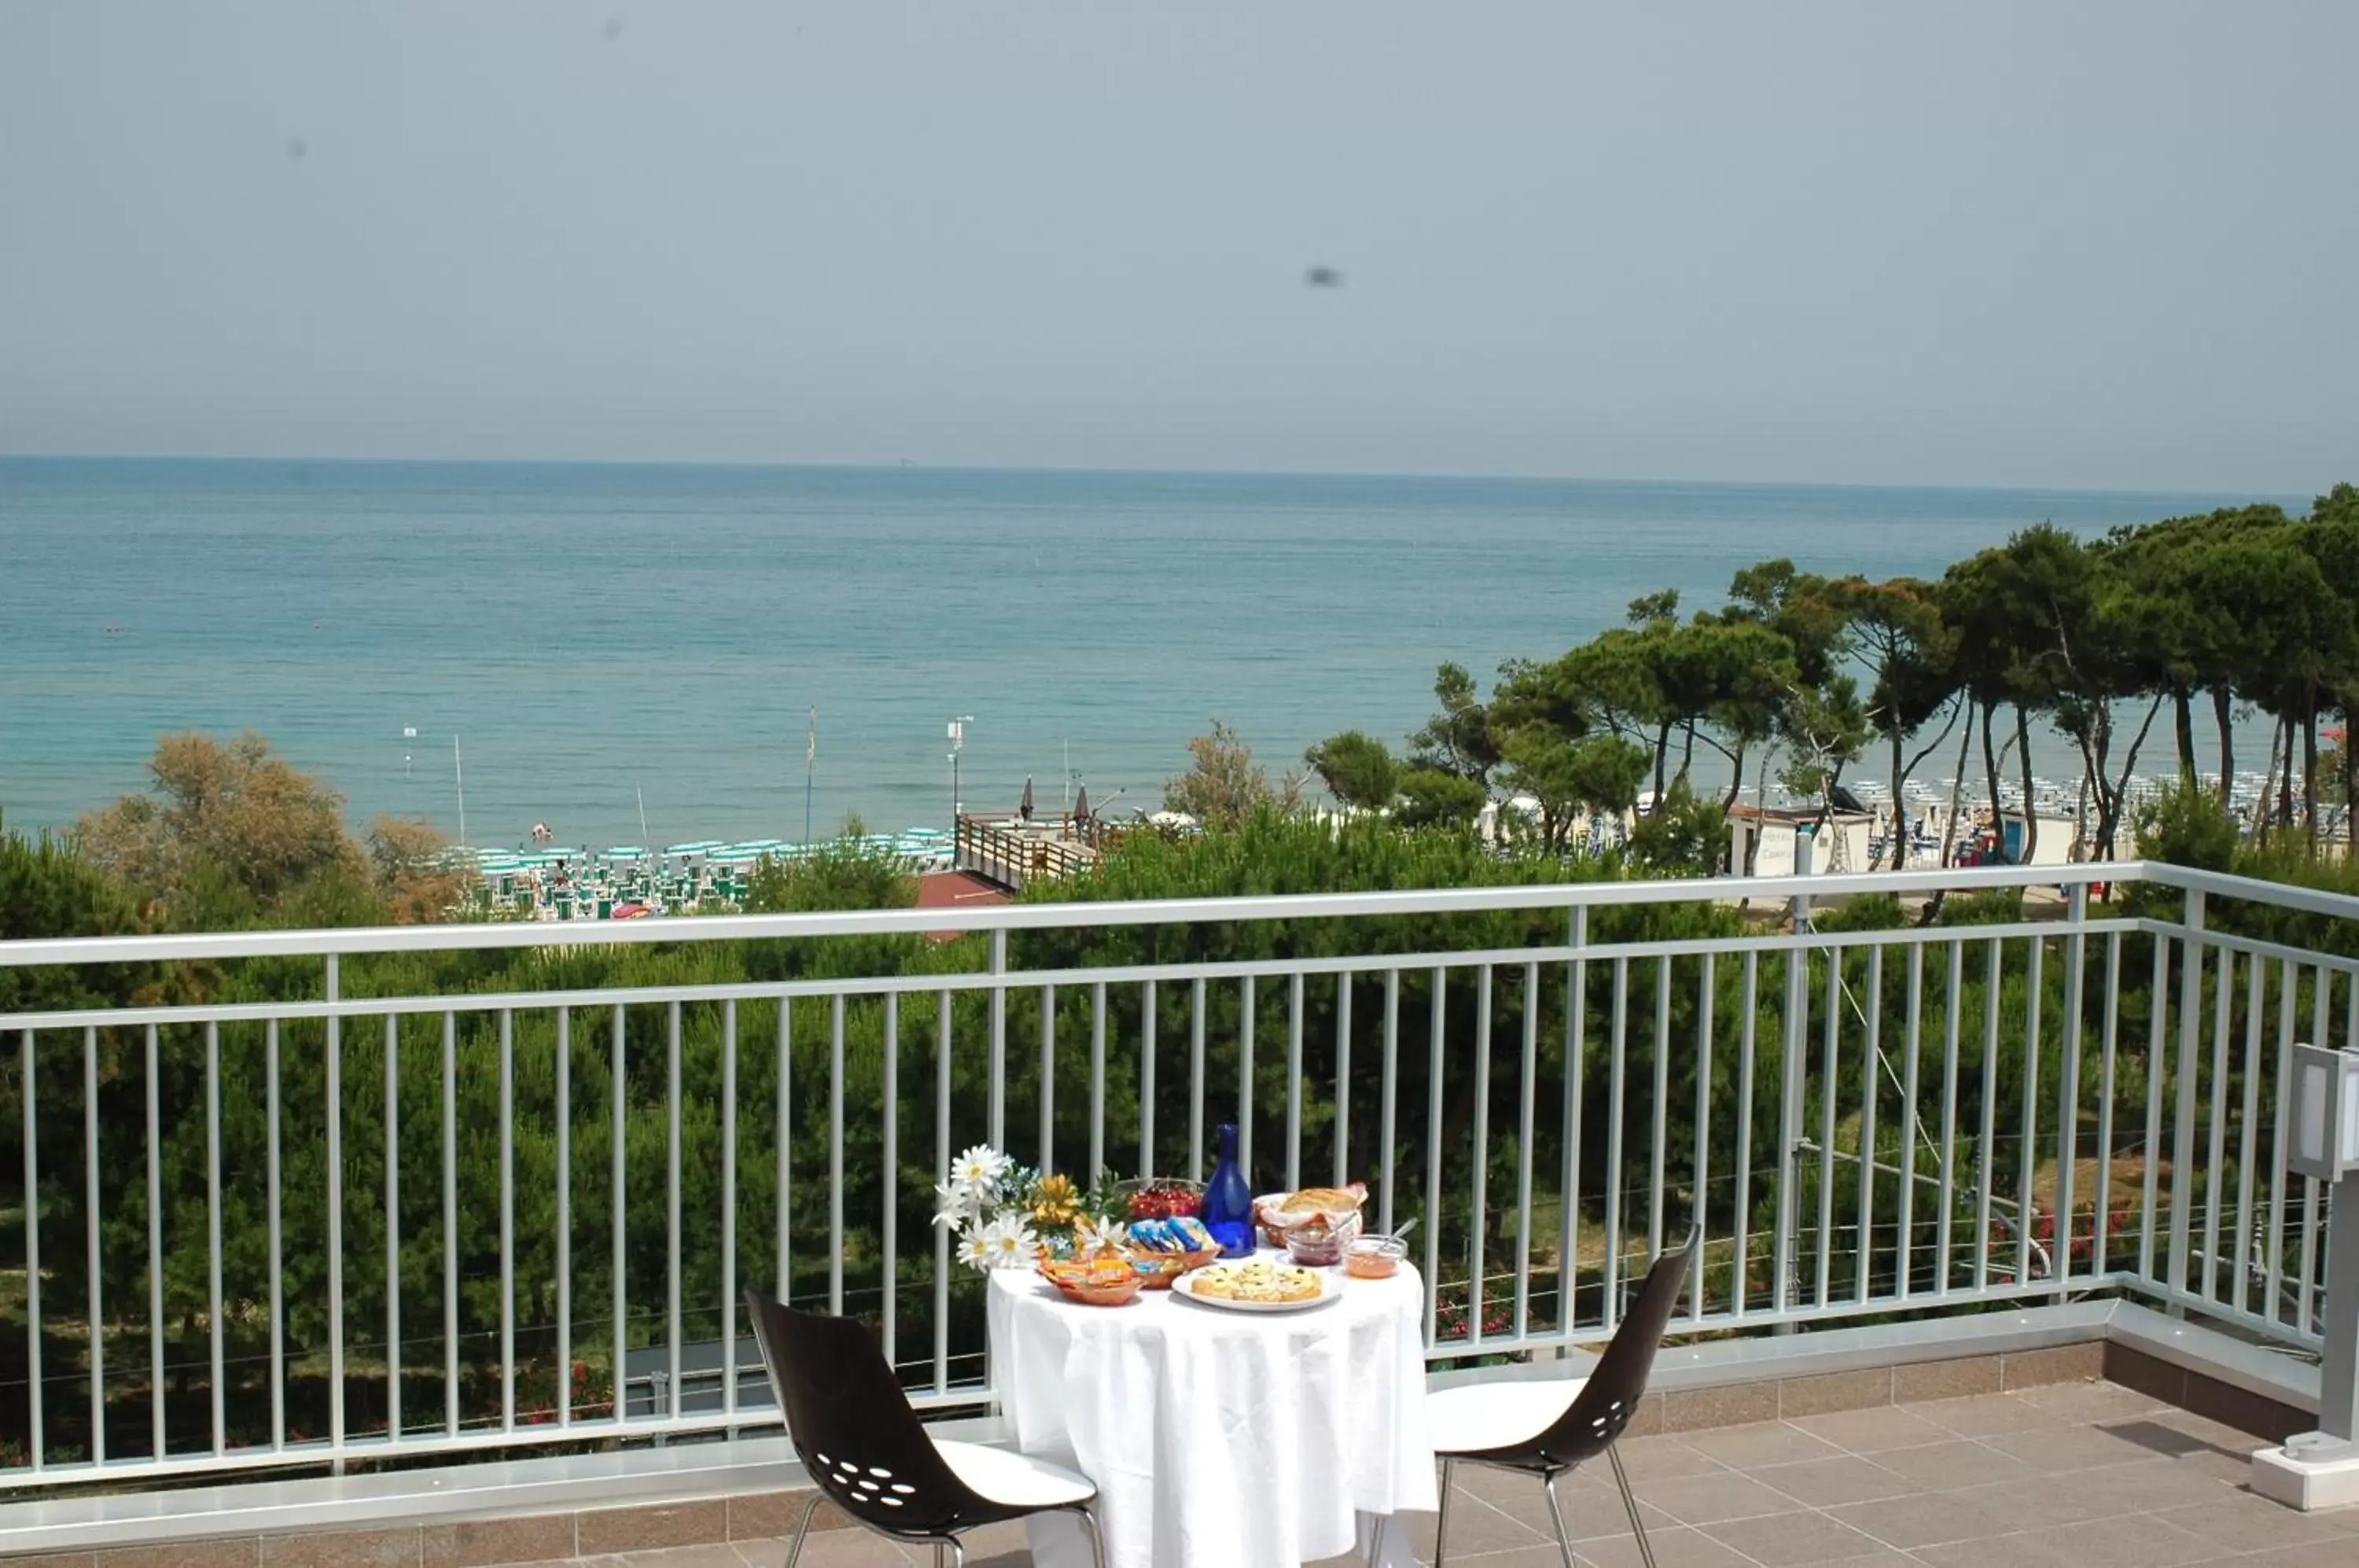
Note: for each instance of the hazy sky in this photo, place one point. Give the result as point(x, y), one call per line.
point(2099, 243)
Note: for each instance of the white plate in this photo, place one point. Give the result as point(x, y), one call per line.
point(1331, 1288)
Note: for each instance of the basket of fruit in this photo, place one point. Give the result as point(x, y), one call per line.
point(1160, 1198)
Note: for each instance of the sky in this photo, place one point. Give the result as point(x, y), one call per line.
point(2109, 244)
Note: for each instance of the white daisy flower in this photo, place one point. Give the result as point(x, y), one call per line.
point(979, 1168)
point(1007, 1242)
point(971, 1253)
point(957, 1207)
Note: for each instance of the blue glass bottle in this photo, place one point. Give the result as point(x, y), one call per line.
point(1228, 1201)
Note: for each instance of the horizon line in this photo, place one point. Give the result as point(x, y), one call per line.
point(1452, 475)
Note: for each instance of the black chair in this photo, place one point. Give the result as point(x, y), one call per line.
point(867, 1453)
point(1546, 1429)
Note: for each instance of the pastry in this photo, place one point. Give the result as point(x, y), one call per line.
point(1255, 1282)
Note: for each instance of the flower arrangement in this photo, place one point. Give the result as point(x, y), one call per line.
point(1006, 1214)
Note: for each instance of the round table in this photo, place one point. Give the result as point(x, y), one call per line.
point(1222, 1438)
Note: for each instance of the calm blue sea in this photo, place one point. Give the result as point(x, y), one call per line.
point(592, 634)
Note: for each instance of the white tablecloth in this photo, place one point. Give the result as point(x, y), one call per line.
point(1222, 1438)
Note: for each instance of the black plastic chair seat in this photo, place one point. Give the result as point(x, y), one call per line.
point(1493, 1423)
point(1546, 1428)
point(866, 1451)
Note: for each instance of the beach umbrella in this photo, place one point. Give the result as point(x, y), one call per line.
point(1081, 804)
point(1024, 808)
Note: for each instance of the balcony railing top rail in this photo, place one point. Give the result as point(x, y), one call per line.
point(438, 938)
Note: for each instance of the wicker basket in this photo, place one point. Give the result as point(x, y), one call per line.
point(1157, 1269)
point(1108, 1279)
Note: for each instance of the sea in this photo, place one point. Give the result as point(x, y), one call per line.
point(634, 653)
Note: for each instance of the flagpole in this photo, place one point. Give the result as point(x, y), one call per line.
point(459, 777)
point(810, 766)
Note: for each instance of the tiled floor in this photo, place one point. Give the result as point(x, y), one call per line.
point(2079, 1476)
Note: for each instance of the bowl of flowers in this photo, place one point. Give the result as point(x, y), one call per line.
point(1007, 1216)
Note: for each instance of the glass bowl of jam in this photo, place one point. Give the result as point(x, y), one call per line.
point(1374, 1257)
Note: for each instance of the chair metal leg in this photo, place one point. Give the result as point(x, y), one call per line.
point(958, 1553)
point(1441, 1526)
point(796, 1549)
point(1630, 1501)
point(1097, 1542)
point(1555, 1512)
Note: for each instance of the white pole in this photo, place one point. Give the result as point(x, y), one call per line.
point(459, 777)
point(642, 794)
point(958, 744)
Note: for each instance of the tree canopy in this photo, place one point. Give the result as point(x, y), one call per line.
point(1795, 676)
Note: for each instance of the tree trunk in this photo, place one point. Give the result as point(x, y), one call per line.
point(2285, 776)
point(2182, 716)
point(1662, 756)
point(2309, 773)
point(1753, 844)
point(1957, 788)
point(1990, 770)
point(1687, 752)
point(2096, 741)
point(1900, 785)
point(2265, 808)
point(1735, 782)
point(1899, 807)
point(1949, 829)
point(2219, 704)
point(2023, 760)
point(2081, 820)
point(2114, 797)
point(1822, 837)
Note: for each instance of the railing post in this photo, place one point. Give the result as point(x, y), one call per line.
point(336, 1065)
point(999, 1039)
point(2182, 1153)
point(1576, 1045)
point(2068, 1110)
point(1785, 1245)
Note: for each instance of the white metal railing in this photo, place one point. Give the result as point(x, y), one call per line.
point(282, 1205)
